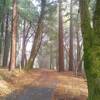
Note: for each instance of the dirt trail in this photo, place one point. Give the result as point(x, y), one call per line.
point(47, 85)
point(32, 93)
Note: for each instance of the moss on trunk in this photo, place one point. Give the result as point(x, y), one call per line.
point(91, 53)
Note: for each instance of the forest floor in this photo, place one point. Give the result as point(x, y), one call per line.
point(41, 84)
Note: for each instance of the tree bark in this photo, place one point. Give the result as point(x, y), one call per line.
point(2, 18)
point(61, 43)
point(12, 64)
point(51, 56)
point(91, 49)
point(79, 48)
point(23, 46)
point(96, 51)
point(1, 41)
point(38, 37)
point(71, 40)
point(7, 42)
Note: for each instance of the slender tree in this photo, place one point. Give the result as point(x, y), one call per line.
point(38, 37)
point(2, 18)
point(12, 64)
point(23, 47)
point(61, 45)
point(71, 38)
point(51, 56)
point(7, 41)
point(79, 46)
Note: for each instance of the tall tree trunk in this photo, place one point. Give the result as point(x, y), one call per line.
point(7, 42)
point(51, 56)
point(78, 51)
point(96, 51)
point(1, 41)
point(23, 47)
point(38, 37)
point(12, 64)
point(91, 49)
point(79, 47)
point(79, 58)
point(57, 60)
point(71, 39)
point(61, 45)
point(2, 18)
point(67, 57)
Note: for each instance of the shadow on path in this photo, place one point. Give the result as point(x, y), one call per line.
point(30, 93)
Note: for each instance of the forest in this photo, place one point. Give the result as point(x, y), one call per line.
point(49, 49)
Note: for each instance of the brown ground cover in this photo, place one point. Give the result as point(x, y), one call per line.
point(66, 86)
